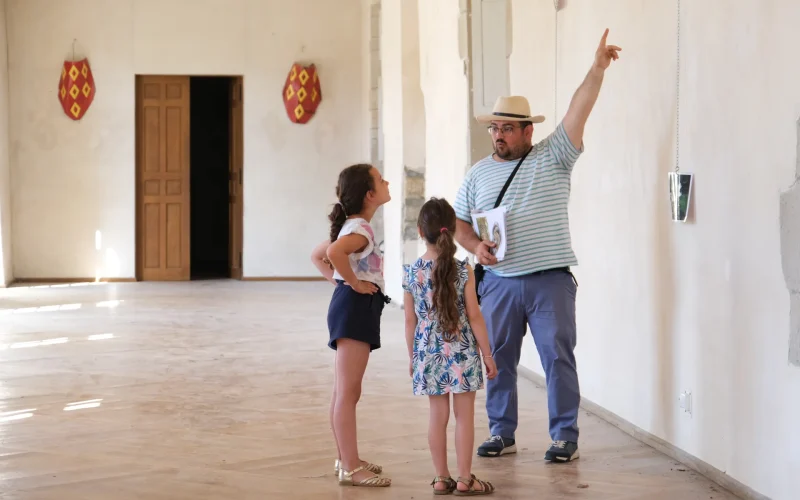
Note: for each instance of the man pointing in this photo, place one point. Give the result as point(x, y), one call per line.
point(533, 285)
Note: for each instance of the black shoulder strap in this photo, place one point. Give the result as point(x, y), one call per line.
point(510, 178)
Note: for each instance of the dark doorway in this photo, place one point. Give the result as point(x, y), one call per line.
point(210, 153)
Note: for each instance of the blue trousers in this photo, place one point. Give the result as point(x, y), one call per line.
point(545, 302)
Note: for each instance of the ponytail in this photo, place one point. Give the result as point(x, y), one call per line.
point(437, 223)
point(337, 218)
point(444, 286)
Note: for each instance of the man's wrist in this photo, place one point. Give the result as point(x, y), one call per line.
point(474, 246)
point(596, 70)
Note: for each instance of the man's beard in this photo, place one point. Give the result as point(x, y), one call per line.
point(510, 154)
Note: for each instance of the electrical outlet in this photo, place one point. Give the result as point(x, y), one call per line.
point(685, 400)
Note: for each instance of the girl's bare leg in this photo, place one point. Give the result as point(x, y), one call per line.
point(351, 363)
point(464, 410)
point(437, 436)
point(333, 405)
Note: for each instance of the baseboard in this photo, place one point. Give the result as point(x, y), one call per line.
point(669, 449)
point(283, 278)
point(21, 281)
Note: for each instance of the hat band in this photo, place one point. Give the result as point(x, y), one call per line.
point(509, 115)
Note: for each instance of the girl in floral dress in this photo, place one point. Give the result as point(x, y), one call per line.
point(446, 336)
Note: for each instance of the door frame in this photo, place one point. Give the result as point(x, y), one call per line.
point(235, 159)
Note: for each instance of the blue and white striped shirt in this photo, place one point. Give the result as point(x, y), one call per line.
point(537, 218)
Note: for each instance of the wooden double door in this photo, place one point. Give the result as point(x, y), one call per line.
point(163, 178)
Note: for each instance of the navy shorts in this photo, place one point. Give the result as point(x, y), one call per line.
point(357, 316)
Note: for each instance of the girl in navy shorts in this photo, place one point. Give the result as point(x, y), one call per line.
point(352, 261)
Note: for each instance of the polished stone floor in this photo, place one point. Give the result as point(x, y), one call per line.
point(220, 390)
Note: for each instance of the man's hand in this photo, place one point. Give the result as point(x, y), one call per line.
point(491, 368)
point(483, 255)
point(606, 53)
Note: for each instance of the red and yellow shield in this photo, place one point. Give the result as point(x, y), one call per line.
point(302, 93)
point(76, 88)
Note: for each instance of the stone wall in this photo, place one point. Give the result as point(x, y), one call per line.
point(414, 193)
point(790, 256)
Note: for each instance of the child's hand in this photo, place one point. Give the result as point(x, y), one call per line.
point(365, 287)
point(411, 369)
point(491, 368)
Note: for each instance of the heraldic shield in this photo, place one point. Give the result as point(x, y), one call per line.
point(302, 93)
point(76, 88)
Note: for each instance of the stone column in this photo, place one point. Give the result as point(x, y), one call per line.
point(391, 91)
point(444, 57)
point(403, 132)
point(5, 176)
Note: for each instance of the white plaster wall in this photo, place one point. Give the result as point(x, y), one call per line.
point(6, 275)
point(72, 179)
point(702, 306)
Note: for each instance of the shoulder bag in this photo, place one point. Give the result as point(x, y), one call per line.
point(479, 270)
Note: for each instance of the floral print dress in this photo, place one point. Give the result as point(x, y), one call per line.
point(441, 367)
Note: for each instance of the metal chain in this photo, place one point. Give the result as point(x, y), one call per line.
point(678, 96)
point(555, 69)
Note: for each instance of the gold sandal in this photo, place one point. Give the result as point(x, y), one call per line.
point(449, 483)
point(346, 479)
point(374, 468)
point(488, 488)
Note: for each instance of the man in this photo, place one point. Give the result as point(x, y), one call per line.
point(533, 283)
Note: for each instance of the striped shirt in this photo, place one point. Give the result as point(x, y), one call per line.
point(537, 218)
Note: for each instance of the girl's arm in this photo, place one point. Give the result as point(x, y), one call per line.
point(411, 327)
point(338, 253)
point(320, 260)
point(478, 325)
point(411, 321)
point(475, 316)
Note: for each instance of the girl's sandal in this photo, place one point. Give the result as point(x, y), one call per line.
point(488, 488)
point(449, 483)
point(374, 468)
point(346, 479)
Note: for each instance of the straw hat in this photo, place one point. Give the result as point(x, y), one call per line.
point(511, 109)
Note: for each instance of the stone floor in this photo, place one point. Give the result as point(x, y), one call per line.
point(219, 390)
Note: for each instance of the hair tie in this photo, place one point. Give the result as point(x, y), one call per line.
point(443, 230)
point(343, 209)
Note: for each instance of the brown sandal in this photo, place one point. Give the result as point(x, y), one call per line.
point(448, 481)
point(488, 488)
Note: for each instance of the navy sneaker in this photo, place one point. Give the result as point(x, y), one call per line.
point(496, 446)
point(562, 451)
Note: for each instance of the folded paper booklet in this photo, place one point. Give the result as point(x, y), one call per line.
point(491, 226)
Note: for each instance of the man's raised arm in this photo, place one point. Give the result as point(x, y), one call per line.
point(584, 98)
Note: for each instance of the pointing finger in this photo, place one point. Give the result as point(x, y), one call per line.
point(603, 40)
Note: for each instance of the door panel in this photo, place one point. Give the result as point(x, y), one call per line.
point(235, 201)
point(163, 208)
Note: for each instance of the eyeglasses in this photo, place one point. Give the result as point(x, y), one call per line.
point(506, 129)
